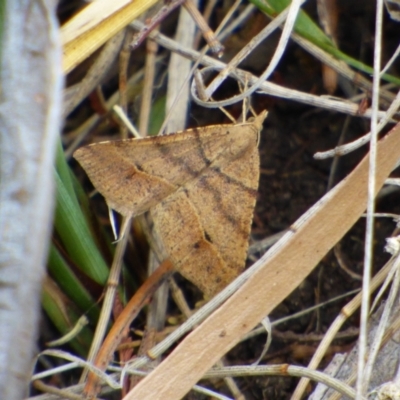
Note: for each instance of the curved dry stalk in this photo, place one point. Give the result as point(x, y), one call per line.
point(79, 362)
point(123, 321)
point(80, 324)
point(283, 370)
point(275, 370)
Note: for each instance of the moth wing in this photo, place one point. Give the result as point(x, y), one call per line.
point(135, 174)
point(205, 225)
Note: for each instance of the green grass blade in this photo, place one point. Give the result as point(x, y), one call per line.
point(308, 29)
point(70, 284)
point(63, 317)
point(72, 227)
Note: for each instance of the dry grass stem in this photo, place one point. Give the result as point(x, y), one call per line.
point(347, 311)
point(385, 118)
point(325, 102)
point(290, 15)
point(363, 378)
point(148, 86)
point(111, 288)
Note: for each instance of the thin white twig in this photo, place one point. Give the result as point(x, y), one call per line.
point(266, 323)
point(82, 363)
point(393, 181)
point(290, 14)
point(394, 264)
point(362, 385)
point(325, 102)
point(339, 66)
point(349, 147)
point(54, 371)
point(381, 330)
point(391, 61)
point(273, 370)
point(241, 18)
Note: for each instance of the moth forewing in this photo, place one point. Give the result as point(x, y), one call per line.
point(203, 180)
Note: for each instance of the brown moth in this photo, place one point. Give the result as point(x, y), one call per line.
point(200, 186)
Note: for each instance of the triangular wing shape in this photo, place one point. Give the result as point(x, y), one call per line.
point(205, 225)
point(201, 187)
point(135, 174)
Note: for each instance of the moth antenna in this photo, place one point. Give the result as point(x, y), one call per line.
point(252, 111)
point(246, 106)
point(228, 115)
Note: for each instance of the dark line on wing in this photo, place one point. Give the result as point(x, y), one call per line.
point(226, 214)
point(216, 193)
point(200, 143)
point(180, 160)
point(207, 236)
point(236, 182)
